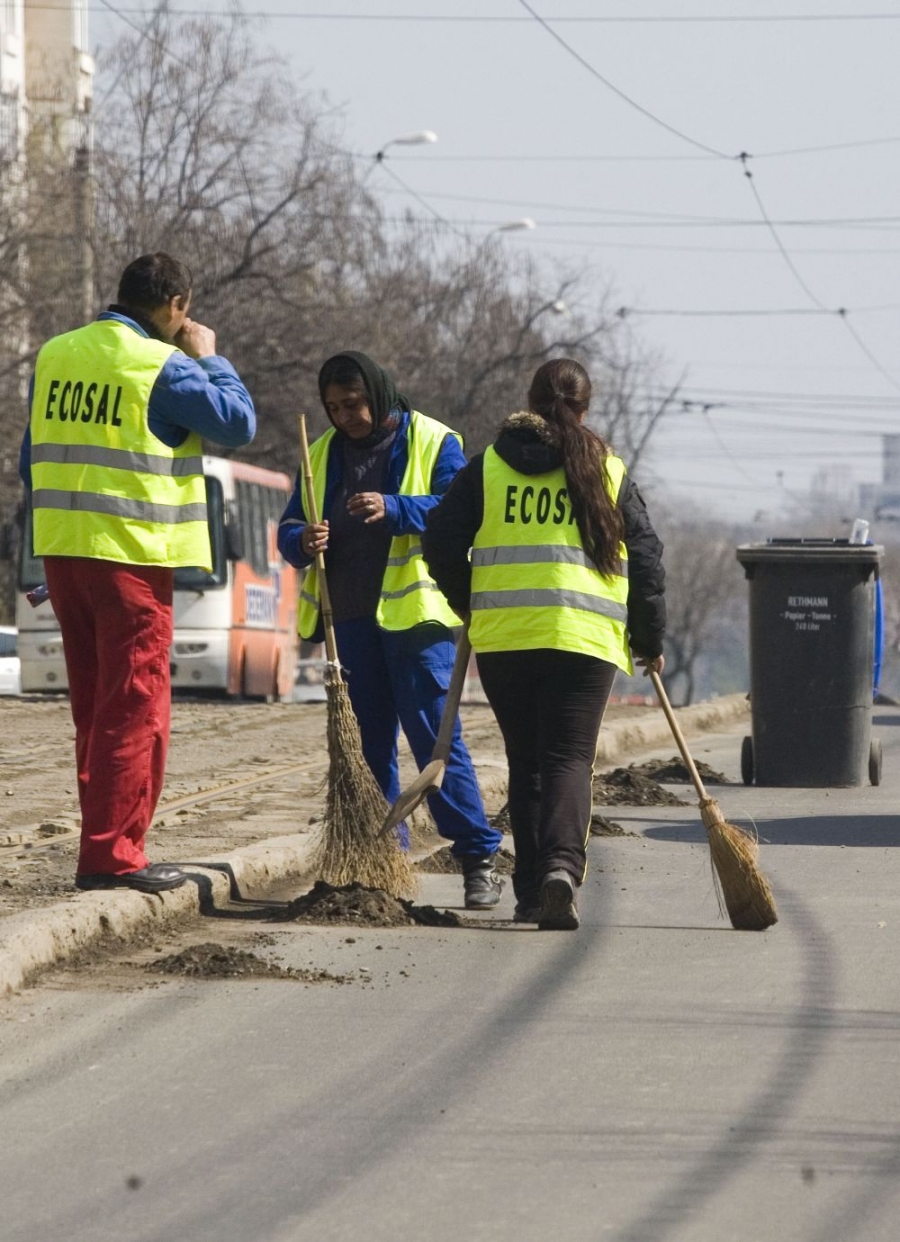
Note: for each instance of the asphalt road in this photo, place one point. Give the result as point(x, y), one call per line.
point(655, 1076)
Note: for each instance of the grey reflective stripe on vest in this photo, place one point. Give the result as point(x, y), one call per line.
point(538, 553)
point(545, 598)
point(396, 561)
point(118, 506)
point(116, 459)
point(310, 599)
point(425, 585)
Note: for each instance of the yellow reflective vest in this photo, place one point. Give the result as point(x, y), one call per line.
point(533, 586)
point(103, 485)
point(408, 595)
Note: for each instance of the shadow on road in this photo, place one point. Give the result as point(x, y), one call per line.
point(875, 831)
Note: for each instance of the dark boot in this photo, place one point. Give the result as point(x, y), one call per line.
point(559, 910)
point(482, 883)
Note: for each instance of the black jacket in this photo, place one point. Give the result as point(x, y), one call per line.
point(529, 444)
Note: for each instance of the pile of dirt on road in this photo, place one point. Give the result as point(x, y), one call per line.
point(603, 827)
point(363, 907)
point(673, 772)
point(630, 787)
point(442, 862)
point(218, 961)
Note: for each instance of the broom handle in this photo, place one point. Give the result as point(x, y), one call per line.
point(454, 696)
point(678, 735)
point(327, 615)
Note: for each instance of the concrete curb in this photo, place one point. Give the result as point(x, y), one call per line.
point(623, 736)
point(37, 939)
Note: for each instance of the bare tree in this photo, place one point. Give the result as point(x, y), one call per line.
point(203, 147)
point(704, 592)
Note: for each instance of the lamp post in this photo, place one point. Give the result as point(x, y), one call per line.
point(514, 226)
point(420, 138)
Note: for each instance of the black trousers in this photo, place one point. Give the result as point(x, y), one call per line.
point(549, 705)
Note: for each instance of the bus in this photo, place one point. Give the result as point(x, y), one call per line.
point(235, 628)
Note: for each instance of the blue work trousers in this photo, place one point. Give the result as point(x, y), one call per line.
point(400, 678)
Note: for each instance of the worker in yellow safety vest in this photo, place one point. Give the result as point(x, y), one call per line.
point(377, 472)
point(545, 542)
point(112, 458)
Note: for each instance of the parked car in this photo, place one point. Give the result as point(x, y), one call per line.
point(10, 672)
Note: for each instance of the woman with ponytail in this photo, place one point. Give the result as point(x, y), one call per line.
point(545, 543)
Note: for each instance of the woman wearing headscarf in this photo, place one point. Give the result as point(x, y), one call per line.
point(377, 472)
point(546, 542)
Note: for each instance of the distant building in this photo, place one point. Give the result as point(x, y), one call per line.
point(46, 89)
point(881, 501)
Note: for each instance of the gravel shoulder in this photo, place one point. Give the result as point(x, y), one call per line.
point(213, 744)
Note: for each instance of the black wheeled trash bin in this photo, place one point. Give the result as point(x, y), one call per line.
point(812, 636)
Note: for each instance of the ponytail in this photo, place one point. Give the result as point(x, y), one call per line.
point(561, 393)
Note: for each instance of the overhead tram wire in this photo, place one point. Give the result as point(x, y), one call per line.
point(651, 116)
point(743, 157)
point(763, 397)
point(556, 158)
point(419, 199)
point(512, 19)
point(841, 312)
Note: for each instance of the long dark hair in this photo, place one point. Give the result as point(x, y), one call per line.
point(561, 393)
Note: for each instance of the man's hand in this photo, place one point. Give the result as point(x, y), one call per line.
point(196, 340)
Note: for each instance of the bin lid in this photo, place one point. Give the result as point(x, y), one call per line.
point(830, 551)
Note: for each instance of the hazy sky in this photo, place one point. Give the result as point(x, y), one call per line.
point(669, 219)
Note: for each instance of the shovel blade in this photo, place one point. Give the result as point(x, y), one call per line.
point(428, 781)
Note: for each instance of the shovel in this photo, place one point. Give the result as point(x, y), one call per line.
point(431, 777)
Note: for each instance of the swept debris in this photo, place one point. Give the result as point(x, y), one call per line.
point(364, 907)
point(217, 961)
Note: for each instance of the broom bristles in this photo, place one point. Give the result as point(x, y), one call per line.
point(351, 849)
point(741, 886)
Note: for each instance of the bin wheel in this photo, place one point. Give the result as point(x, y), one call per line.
point(875, 762)
point(747, 761)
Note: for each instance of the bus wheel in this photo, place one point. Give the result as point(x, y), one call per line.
point(274, 696)
point(242, 695)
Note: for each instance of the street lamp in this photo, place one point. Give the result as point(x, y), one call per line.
point(420, 138)
point(515, 226)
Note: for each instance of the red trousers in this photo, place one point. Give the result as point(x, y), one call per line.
point(116, 623)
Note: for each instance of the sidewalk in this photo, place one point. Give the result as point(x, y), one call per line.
point(36, 939)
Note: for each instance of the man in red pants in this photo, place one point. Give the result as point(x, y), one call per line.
point(113, 458)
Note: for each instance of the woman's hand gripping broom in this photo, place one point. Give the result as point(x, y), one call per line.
point(351, 848)
point(740, 883)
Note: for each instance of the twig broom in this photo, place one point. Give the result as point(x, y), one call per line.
point(351, 848)
point(739, 881)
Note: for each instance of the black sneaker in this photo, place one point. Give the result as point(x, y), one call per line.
point(558, 909)
point(482, 883)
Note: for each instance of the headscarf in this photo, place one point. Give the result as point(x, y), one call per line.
point(382, 395)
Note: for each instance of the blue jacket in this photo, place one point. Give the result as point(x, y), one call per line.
point(205, 395)
point(404, 515)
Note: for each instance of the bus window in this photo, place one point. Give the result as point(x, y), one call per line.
point(253, 501)
point(192, 579)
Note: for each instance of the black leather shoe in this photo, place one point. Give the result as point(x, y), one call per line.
point(154, 878)
point(482, 883)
